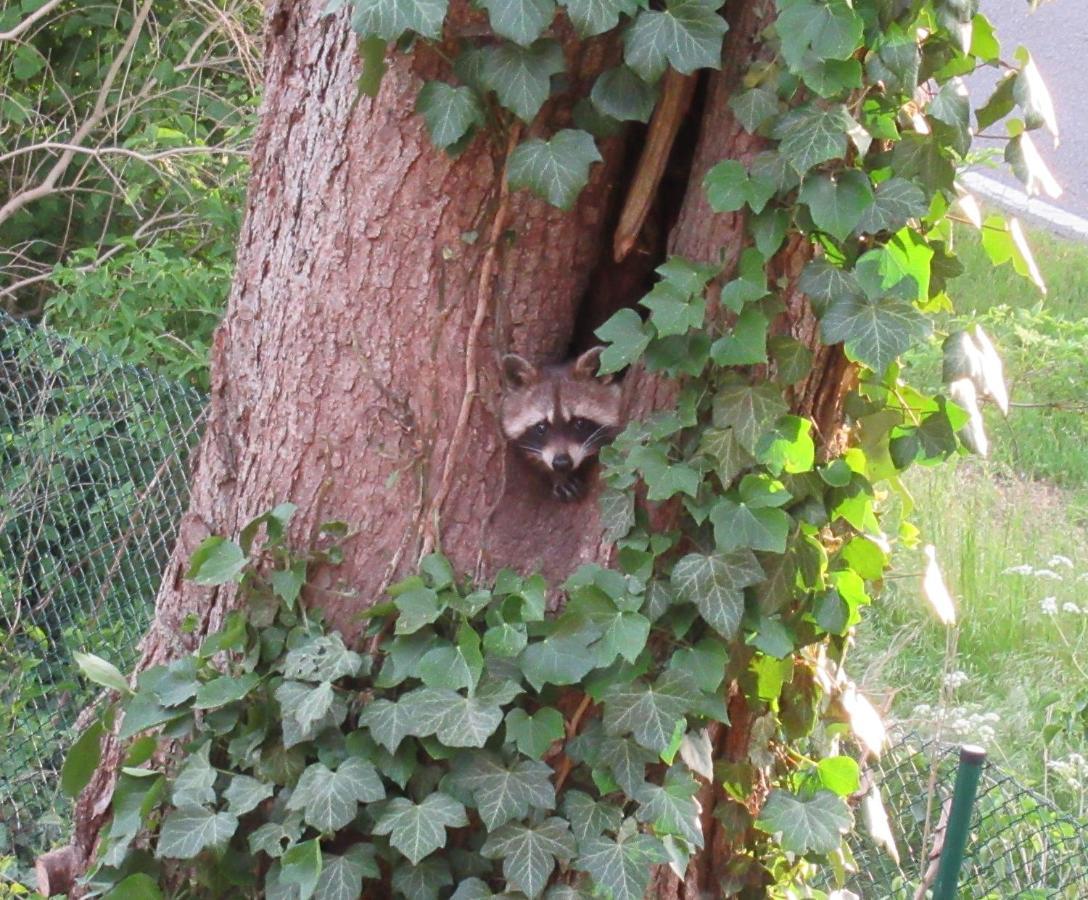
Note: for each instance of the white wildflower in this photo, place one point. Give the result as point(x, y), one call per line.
point(1049, 574)
point(1049, 606)
point(1024, 569)
point(1058, 560)
point(1083, 576)
point(1071, 608)
point(955, 680)
point(984, 733)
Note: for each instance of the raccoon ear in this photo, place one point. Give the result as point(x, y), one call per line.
point(519, 372)
point(586, 365)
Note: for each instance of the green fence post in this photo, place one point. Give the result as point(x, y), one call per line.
point(959, 822)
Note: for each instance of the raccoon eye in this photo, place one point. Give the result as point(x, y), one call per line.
point(539, 429)
point(583, 426)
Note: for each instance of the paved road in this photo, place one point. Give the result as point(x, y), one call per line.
point(1057, 36)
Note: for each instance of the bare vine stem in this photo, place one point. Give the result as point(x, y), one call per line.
point(484, 291)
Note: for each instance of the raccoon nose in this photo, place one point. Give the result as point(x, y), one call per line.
point(562, 462)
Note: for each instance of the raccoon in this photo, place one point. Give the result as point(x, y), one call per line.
point(559, 416)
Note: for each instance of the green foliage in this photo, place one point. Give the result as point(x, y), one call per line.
point(123, 140)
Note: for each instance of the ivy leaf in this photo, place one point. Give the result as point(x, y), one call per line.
point(810, 135)
point(592, 17)
point(558, 659)
point(449, 112)
point(687, 35)
point(275, 838)
point(874, 332)
point(746, 344)
point(329, 800)
point(649, 712)
point(895, 201)
point(417, 830)
point(389, 19)
point(245, 794)
point(456, 720)
point(176, 682)
point(621, 94)
point(1031, 92)
point(225, 689)
point(301, 867)
point(521, 21)
point(837, 202)
point(804, 825)
point(555, 170)
point(672, 808)
point(322, 658)
point(663, 478)
point(738, 525)
point(534, 733)
point(454, 666)
point(422, 882)
point(622, 866)
point(823, 30)
point(789, 448)
point(195, 781)
point(216, 561)
point(715, 584)
point(529, 853)
point(754, 107)
point(627, 338)
point(749, 410)
point(824, 282)
point(82, 760)
point(590, 818)
point(307, 710)
point(729, 457)
point(617, 514)
point(389, 722)
point(503, 794)
point(673, 311)
point(521, 76)
point(417, 606)
point(189, 829)
point(952, 108)
point(96, 669)
point(627, 762)
point(342, 876)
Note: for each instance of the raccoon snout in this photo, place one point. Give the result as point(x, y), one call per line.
point(562, 462)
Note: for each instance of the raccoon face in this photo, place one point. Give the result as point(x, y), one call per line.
point(558, 417)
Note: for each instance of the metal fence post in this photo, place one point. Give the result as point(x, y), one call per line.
point(959, 821)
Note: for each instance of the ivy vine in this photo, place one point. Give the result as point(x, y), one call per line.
point(485, 748)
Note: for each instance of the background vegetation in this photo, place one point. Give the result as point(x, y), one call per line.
point(1010, 534)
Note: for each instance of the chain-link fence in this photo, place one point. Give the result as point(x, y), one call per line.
point(1019, 844)
point(93, 479)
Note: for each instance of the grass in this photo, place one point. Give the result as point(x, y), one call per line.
point(1019, 659)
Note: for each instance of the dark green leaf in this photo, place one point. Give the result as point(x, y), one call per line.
point(521, 21)
point(621, 866)
point(534, 733)
point(591, 17)
point(450, 112)
point(82, 760)
point(555, 170)
point(188, 830)
point(521, 76)
point(837, 202)
point(389, 19)
point(622, 95)
point(687, 35)
point(417, 830)
point(216, 561)
point(804, 825)
point(528, 853)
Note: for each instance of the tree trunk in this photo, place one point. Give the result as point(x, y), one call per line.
point(377, 283)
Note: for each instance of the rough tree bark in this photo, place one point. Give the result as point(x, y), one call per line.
point(377, 282)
